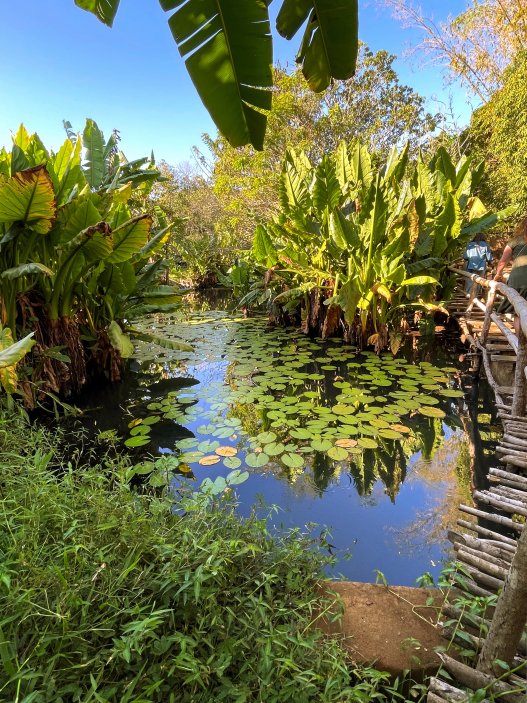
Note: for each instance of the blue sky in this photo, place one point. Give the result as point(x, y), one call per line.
point(58, 62)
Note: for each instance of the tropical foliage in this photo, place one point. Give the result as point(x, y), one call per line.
point(227, 46)
point(373, 105)
point(354, 248)
point(498, 134)
point(76, 259)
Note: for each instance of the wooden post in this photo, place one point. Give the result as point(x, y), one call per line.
point(488, 311)
point(508, 622)
point(518, 399)
point(486, 325)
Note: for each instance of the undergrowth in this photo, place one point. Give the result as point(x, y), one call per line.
point(109, 595)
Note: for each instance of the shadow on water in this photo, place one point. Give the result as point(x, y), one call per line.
point(381, 451)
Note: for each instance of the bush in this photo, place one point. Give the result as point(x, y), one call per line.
point(107, 594)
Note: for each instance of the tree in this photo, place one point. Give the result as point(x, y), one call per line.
point(498, 135)
point(227, 46)
point(373, 105)
point(477, 45)
point(184, 195)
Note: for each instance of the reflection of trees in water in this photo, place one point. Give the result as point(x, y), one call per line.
point(450, 464)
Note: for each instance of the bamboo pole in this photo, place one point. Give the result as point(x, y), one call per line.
point(492, 517)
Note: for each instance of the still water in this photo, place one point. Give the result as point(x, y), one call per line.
point(380, 450)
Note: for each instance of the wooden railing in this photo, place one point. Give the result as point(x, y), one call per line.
point(518, 341)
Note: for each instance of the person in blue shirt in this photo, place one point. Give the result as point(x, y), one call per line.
point(477, 256)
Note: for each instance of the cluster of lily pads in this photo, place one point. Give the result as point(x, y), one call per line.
point(271, 398)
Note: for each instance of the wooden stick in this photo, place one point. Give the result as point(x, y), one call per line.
point(506, 504)
point(485, 564)
point(445, 691)
point(509, 475)
point(506, 541)
point(476, 679)
point(492, 517)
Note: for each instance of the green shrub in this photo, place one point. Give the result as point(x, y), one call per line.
point(107, 594)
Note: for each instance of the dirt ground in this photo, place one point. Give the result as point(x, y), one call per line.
point(390, 627)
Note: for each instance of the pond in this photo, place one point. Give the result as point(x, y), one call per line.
point(379, 449)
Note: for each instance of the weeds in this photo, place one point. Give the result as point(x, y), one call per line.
point(109, 595)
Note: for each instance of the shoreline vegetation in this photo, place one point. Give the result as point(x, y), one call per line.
point(114, 593)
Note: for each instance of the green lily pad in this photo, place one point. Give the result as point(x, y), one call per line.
point(138, 441)
point(321, 445)
point(255, 460)
point(338, 453)
point(232, 462)
point(294, 461)
point(367, 443)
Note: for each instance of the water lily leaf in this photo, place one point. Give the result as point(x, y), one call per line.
point(255, 460)
point(232, 462)
point(451, 393)
point(400, 428)
point(389, 434)
point(209, 460)
point(136, 421)
point(139, 430)
point(346, 443)
point(294, 461)
point(208, 445)
point(341, 409)
point(274, 449)
point(139, 441)
point(321, 445)
point(367, 443)
point(205, 429)
point(151, 420)
point(337, 453)
point(301, 433)
point(187, 443)
point(429, 411)
point(226, 451)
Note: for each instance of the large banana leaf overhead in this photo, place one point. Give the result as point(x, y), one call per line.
point(227, 47)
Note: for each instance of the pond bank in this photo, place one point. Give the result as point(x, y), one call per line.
point(392, 628)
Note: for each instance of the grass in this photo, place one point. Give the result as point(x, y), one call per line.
point(109, 595)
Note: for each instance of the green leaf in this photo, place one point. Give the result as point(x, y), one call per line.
point(120, 340)
point(26, 270)
point(11, 353)
point(104, 10)
point(419, 281)
point(263, 249)
point(93, 140)
point(330, 43)
point(228, 50)
point(129, 238)
point(161, 341)
point(28, 198)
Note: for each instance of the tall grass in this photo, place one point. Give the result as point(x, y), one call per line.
point(108, 595)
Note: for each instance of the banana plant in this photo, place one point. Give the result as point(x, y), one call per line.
point(10, 354)
point(371, 245)
point(76, 262)
point(227, 47)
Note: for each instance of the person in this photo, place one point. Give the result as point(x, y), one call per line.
point(516, 251)
point(477, 256)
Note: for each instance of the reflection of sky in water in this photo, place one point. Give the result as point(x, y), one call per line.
point(401, 538)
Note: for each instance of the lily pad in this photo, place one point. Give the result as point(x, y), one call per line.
point(337, 453)
point(294, 461)
point(255, 460)
point(209, 460)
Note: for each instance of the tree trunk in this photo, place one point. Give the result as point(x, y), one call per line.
point(510, 616)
